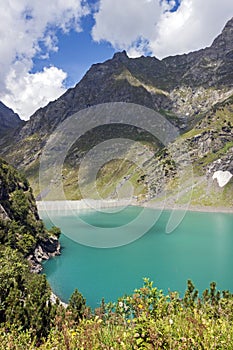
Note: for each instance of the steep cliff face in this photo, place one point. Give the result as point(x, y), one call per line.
point(20, 225)
point(183, 88)
point(9, 122)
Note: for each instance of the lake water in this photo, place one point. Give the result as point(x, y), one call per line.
point(200, 248)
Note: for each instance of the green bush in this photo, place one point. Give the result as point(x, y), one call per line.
point(147, 319)
point(24, 297)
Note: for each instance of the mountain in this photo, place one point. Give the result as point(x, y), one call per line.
point(9, 121)
point(192, 91)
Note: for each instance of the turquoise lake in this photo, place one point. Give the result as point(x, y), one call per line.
point(200, 249)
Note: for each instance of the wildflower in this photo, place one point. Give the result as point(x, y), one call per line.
point(140, 306)
point(120, 304)
point(171, 321)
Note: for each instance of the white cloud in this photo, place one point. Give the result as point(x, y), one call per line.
point(25, 27)
point(33, 91)
point(122, 22)
point(194, 25)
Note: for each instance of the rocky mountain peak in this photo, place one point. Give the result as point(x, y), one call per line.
point(120, 56)
point(224, 42)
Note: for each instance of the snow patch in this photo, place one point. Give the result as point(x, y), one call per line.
point(223, 177)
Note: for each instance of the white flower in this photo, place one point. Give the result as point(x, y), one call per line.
point(120, 304)
point(171, 321)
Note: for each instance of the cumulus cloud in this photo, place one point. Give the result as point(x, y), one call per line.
point(148, 26)
point(33, 91)
point(27, 30)
point(124, 22)
point(193, 26)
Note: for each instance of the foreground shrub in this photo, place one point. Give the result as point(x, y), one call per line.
point(147, 319)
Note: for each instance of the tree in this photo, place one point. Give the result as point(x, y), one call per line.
point(77, 305)
point(55, 231)
point(24, 297)
point(19, 205)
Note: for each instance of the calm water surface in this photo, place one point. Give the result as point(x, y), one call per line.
point(201, 249)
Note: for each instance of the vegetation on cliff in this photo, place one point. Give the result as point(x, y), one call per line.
point(24, 296)
point(20, 225)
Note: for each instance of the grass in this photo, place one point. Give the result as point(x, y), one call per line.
point(201, 163)
point(132, 80)
point(109, 178)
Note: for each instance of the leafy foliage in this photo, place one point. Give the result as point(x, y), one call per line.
point(77, 305)
point(22, 229)
point(55, 231)
point(24, 297)
point(147, 319)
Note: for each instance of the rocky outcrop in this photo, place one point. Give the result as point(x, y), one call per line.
point(3, 214)
point(189, 101)
point(223, 164)
point(20, 225)
point(208, 167)
point(44, 250)
point(9, 122)
point(8, 119)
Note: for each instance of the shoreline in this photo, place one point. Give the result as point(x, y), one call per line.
point(68, 205)
point(192, 208)
point(54, 297)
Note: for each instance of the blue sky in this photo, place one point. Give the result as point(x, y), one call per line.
point(47, 46)
point(77, 52)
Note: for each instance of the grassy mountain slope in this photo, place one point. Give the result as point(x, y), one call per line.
point(209, 146)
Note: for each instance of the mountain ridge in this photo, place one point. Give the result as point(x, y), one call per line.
point(183, 88)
